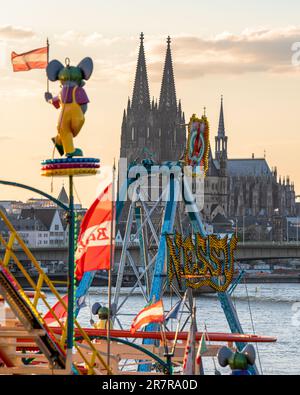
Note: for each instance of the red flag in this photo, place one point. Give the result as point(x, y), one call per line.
point(60, 312)
point(150, 314)
point(94, 242)
point(189, 354)
point(36, 59)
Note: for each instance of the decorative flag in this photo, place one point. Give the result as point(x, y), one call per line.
point(189, 354)
point(201, 349)
point(36, 59)
point(60, 312)
point(150, 314)
point(94, 241)
point(173, 313)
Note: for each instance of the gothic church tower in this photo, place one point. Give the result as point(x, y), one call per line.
point(150, 130)
point(171, 119)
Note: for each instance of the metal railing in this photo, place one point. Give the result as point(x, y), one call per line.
point(91, 357)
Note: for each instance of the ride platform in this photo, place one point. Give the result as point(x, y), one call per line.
point(70, 167)
point(23, 318)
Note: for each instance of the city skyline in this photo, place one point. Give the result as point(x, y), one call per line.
point(249, 63)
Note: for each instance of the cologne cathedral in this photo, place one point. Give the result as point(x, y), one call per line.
point(154, 128)
point(234, 188)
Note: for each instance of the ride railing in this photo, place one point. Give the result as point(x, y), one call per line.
point(90, 360)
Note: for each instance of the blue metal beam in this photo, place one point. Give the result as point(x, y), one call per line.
point(159, 270)
point(224, 297)
point(236, 282)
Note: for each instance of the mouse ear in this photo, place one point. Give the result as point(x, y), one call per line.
point(86, 66)
point(53, 69)
point(249, 352)
point(95, 308)
point(223, 356)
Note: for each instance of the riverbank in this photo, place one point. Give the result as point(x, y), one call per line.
point(272, 278)
point(60, 280)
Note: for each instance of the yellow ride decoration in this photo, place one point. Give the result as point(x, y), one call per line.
point(207, 261)
point(68, 172)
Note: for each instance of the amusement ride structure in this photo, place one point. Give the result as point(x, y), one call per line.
point(176, 258)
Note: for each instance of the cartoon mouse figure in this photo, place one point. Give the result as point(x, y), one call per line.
point(72, 101)
point(239, 361)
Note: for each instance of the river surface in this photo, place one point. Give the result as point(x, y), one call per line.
point(275, 311)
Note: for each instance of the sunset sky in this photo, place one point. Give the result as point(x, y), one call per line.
point(241, 49)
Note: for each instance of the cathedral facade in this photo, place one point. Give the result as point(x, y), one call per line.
point(233, 187)
point(150, 128)
point(244, 187)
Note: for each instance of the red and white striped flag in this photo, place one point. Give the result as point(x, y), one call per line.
point(94, 241)
point(36, 59)
point(151, 314)
point(60, 312)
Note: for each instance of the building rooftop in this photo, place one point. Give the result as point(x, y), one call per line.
point(221, 219)
point(248, 167)
point(45, 216)
point(63, 196)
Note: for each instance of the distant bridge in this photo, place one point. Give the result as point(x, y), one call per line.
point(248, 251)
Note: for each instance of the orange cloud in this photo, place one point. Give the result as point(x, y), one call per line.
point(5, 138)
point(9, 32)
point(261, 50)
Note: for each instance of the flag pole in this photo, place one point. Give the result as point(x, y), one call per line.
point(166, 349)
point(48, 49)
point(111, 264)
point(194, 332)
point(178, 324)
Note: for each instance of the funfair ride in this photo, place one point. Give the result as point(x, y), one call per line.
point(176, 258)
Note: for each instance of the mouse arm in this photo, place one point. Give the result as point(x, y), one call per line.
point(55, 101)
point(84, 107)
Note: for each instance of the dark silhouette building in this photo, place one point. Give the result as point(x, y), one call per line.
point(150, 129)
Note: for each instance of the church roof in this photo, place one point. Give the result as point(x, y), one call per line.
point(221, 128)
point(221, 219)
point(63, 197)
point(248, 167)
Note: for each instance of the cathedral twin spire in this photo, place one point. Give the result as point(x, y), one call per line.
point(157, 127)
point(167, 100)
point(141, 94)
point(141, 104)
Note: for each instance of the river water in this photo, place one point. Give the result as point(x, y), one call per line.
point(275, 311)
